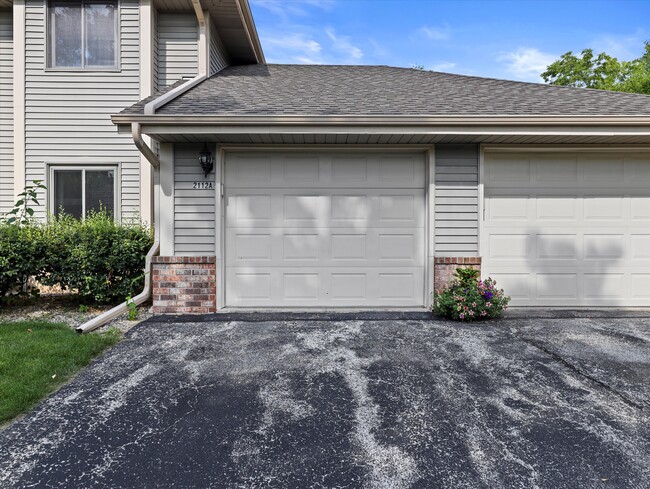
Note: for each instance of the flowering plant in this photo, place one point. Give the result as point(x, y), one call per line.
point(467, 298)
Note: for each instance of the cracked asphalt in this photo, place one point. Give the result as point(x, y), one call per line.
point(302, 401)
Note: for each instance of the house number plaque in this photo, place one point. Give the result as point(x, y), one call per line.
point(202, 185)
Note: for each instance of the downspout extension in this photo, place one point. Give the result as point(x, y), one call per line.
point(124, 307)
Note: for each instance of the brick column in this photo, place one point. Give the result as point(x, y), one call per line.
point(445, 266)
point(184, 284)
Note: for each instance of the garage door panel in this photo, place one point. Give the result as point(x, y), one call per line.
point(587, 243)
point(385, 247)
point(640, 285)
point(339, 208)
point(560, 169)
point(337, 287)
point(556, 207)
point(344, 229)
point(640, 247)
point(326, 169)
point(557, 247)
point(640, 209)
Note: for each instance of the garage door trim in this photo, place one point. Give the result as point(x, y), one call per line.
point(643, 151)
point(222, 152)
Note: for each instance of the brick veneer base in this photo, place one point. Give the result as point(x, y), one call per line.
point(184, 284)
point(445, 266)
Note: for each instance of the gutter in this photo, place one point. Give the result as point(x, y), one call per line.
point(105, 317)
point(367, 120)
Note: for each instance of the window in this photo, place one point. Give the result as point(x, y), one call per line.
point(79, 191)
point(83, 34)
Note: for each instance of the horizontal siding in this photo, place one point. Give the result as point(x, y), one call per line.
point(218, 55)
point(178, 47)
point(456, 200)
point(67, 114)
point(194, 210)
point(6, 112)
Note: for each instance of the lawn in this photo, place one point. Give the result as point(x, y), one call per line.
point(36, 357)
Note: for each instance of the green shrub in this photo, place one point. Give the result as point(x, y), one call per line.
point(22, 255)
point(467, 298)
point(101, 259)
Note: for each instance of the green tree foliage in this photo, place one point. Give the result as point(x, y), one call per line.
point(603, 72)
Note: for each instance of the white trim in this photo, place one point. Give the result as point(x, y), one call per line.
point(429, 190)
point(503, 148)
point(146, 89)
point(150, 108)
point(49, 42)
point(166, 199)
point(430, 226)
point(75, 166)
point(398, 120)
point(220, 227)
point(481, 203)
point(19, 95)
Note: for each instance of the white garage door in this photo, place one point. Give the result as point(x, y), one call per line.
point(568, 229)
point(324, 229)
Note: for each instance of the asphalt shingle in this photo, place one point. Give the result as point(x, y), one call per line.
point(382, 90)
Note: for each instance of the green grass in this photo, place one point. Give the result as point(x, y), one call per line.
point(36, 357)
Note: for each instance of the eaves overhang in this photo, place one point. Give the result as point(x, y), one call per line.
point(641, 122)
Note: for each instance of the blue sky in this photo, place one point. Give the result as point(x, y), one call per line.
point(504, 39)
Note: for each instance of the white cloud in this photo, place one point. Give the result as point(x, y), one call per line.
point(625, 48)
point(292, 48)
point(444, 66)
point(442, 33)
point(343, 45)
point(526, 63)
point(286, 8)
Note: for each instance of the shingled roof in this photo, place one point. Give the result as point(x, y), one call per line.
point(381, 90)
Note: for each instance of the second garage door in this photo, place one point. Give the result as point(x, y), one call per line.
point(324, 229)
point(568, 229)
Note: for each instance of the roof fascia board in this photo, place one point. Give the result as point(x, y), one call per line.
point(246, 120)
point(251, 31)
point(423, 130)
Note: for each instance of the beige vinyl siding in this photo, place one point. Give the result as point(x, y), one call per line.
point(194, 210)
point(6, 112)
point(218, 55)
point(178, 47)
point(456, 200)
point(67, 113)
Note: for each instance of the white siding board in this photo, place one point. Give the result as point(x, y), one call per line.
point(456, 200)
point(178, 47)
point(218, 54)
point(67, 114)
point(6, 112)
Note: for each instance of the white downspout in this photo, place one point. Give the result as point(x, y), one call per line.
point(105, 317)
point(150, 155)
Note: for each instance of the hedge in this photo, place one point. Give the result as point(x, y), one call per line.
point(100, 259)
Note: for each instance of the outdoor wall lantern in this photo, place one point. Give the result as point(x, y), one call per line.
point(205, 159)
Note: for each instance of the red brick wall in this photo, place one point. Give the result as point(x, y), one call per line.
point(445, 266)
point(184, 284)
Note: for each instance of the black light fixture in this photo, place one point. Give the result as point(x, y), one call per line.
point(205, 159)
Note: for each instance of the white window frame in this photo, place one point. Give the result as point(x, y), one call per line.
point(117, 212)
point(50, 33)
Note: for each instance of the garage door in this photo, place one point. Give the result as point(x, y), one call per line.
point(324, 229)
point(568, 229)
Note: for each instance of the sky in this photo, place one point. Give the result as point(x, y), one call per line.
point(513, 39)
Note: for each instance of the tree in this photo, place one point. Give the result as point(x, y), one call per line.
point(602, 72)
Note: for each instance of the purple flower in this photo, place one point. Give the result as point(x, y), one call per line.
point(488, 295)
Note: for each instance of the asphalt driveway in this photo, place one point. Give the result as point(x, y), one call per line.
point(315, 402)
